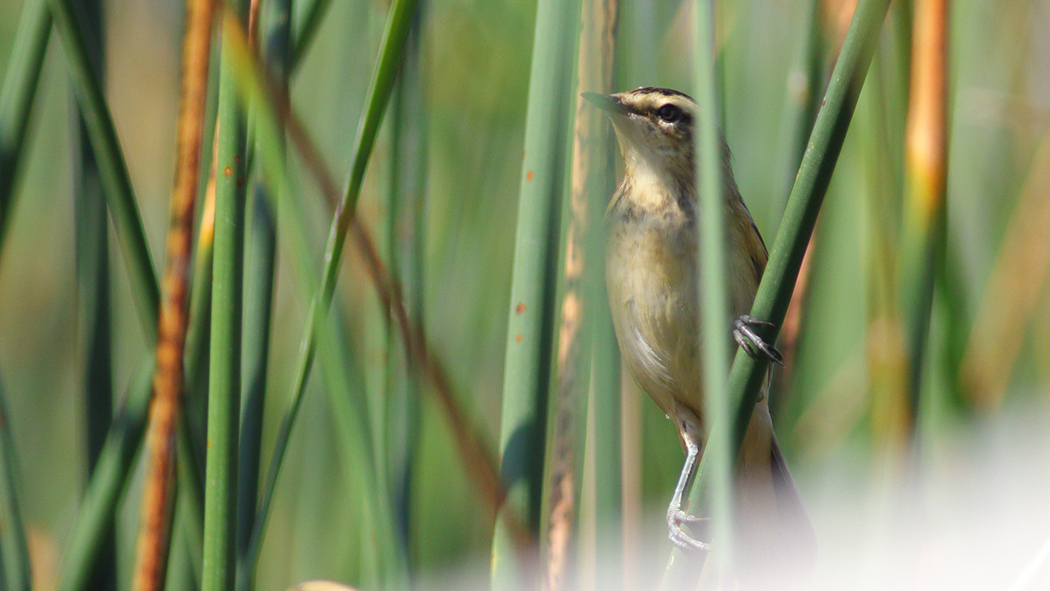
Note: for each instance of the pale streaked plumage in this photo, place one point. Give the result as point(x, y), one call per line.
point(652, 277)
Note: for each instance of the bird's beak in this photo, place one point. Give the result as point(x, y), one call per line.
point(611, 104)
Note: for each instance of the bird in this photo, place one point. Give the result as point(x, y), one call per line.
point(652, 279)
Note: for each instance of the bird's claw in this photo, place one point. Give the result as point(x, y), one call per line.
point(748, 339)
point(675, 520)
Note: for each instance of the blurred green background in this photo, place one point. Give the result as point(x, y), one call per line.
point(972, 481)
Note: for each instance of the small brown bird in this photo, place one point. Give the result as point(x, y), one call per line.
point(653, 281)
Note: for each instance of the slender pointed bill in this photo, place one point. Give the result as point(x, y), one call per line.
point(608, 103)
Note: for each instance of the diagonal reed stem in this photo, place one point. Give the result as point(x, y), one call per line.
point(112, 167)
point(17, 98)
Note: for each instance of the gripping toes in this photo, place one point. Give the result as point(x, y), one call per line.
point(748, 339)
point(675, 520)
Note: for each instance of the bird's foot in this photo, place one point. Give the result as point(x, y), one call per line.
point(748, 339)
point(676, 518)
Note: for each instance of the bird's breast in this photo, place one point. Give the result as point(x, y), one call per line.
point(651, 271)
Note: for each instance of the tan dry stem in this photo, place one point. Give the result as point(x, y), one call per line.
point(595, 75)
point(926, 139)
point(253, 24)
point(152, 551)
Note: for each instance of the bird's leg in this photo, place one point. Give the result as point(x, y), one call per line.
point(675, 516)
point(748, 339)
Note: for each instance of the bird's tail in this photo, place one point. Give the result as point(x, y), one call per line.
point(775, 541)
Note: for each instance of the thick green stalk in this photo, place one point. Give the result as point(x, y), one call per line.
point(774, 292)
point(530, 313)
point(112, 168)
point(224, 384)
point(16, 98)
point(604, 367)
point(14, 557)
point(567, 543)
point(260, 259)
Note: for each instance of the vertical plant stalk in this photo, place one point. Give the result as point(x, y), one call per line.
point(714, 308)
point(774, 292)
point(637, 53)
point(113, 169)
point(91, 230)
point(926, 156)
point(581, 266)
point(407, 221)
point(17, 98)
point(168, 379)
point(886, 346)
point(530, 319)
point(260, 260)
point(196, 349)
point(804, 82)
point(14, 560)
point(224, 383)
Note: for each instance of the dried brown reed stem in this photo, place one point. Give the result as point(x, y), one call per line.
point(168, 379)
point(573, 362)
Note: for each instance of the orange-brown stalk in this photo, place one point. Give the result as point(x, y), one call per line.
point(152, 551)
point(926, 158)
point(926, 140)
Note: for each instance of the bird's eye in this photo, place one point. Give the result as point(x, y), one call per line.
point(669, 113)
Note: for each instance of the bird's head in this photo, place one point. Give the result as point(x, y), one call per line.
point(655, 129)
